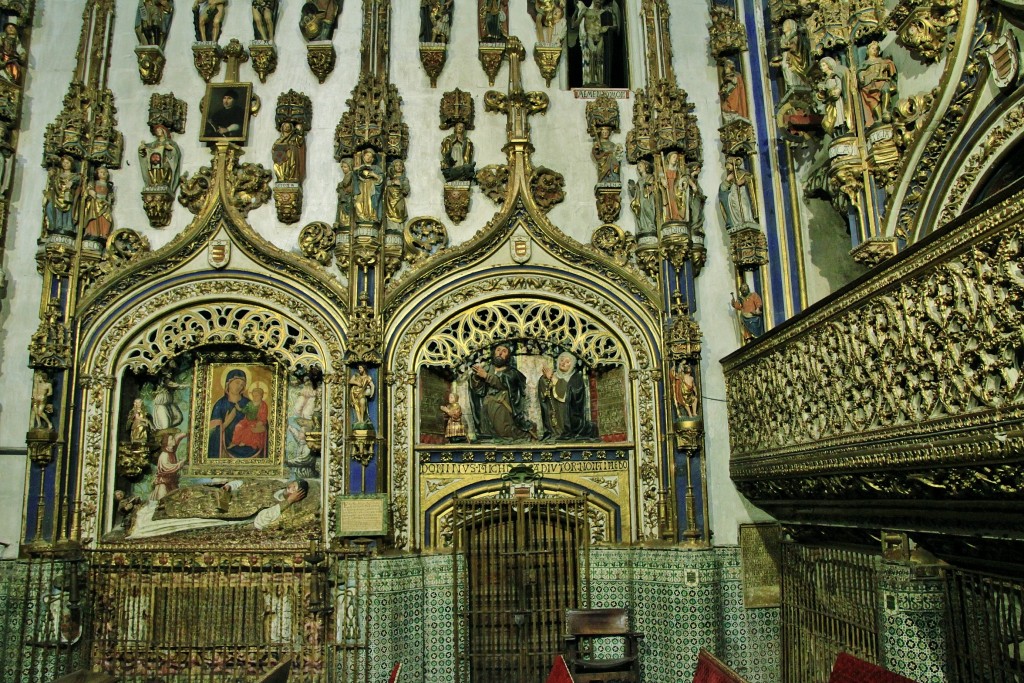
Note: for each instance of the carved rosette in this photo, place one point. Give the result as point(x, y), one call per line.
point(320, 56)
point(433, 57)
point(547, 57)
point(288, 200)
point(158, 202)
point(614, 242)
point(491, 56)
point(548, 188)
point(609, 201)
point(207, 58)
point(264, 58)
point(456, 200)
point(873, 251)
point(151, 63)
point(749, 248)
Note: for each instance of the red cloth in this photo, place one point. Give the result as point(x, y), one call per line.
point(849, 669)
point(711, 670)
point(559, 672)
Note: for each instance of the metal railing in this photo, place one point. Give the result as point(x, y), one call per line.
point(985, 627)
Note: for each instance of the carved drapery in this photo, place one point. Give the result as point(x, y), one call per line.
point(907, 387)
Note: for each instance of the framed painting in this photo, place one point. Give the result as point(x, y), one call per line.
point(226, 112)
point(239, 409)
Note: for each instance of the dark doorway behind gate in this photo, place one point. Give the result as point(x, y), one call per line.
point(523, 562)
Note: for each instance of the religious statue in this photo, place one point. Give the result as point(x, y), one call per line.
point(732, 90)
point(792, 58)
point(361, 390)
point(694, 198)
point(457, 155)
point(168, 467)
point(264, 19)
point(367, 185)
point(138, 424)
point(153, 21)
point(749, 307)
point(435, 20)
point(673, 169)
point(607, 156)
point(396, 189)
point(166, 413)
point(99, 206)
point(289, 154)
point(318, 19)
point(644, 200)
point(877, 80)
point(12, 54)
point(60, 198)
point(208, 17)
point(161, 160)
point(455, 424)
point(42, 390)
point(549, 19)
point(684, 391)
point(345, 190)
point(493, 21)
point(738, 196)
point(564, 403)
point(499, 398)
point(832, 93)
point(591, 24)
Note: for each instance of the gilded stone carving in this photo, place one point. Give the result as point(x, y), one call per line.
point(603, 120)
point(548, 188)
point(321, 58)
point(873, 251)
point(293, 119)
point(457, 200)
point(288, 201)
point(547, 58)
point(365, 336)
point(264, 59)
point(423, 237)
point(316, 241)
point(749, 248)
point(125, 246)
point(433, 58)
point(160, 159)
point(50, 346)
point(196, 190)
point(491, 57)
point(727, 33)
point(614, 242)
point(923, 26)
point(609, 201)
point(317, 24)
point(207, 58)
point(493, 180)
point(151, 63)
point(373, 119)
point(458, 165)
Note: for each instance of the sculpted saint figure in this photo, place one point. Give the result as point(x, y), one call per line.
point(289, 154)
point(563, 397)
point(832, 93)
point(877, 80)
point(592, 23)
point(208, 18)
point(606, 155)
point(750, 309)
point(42, 390)
point(369, 179)
point(457, 155)
point(793, 60)
point(264, 19)
point(12, 54)
point(737, 196)
point(62, 188)
point(499, 398)
point(346, 190)
point(318, 19)
point(152, 21)
point(454, 425)
point(99, 206)
point(161, 160)
point(361, 390)
point(396, 190)
point(644, 199)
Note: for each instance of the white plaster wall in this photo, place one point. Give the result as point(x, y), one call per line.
point(560, 137)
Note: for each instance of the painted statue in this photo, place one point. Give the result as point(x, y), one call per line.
point(161, 160)
point(750, 310)
point(499, 398)
point(877, 80)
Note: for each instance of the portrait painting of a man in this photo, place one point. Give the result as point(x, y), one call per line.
point(226, 113)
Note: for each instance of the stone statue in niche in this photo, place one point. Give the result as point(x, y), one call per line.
point(455, 423)
point(549, 19)
point(750, 310)
point(738, 196)
point(499, 398)
point(139, 424)
point(694, 198)
point(435, 21)
point(361, 390)
point(289, 154)
point(318, 19)
point(673, 170)
point(42, 391)
point(99, 206)
point(607, 156)
point(643, 194)
point(732, 90)
point(396, 189)
point(592, 25)
point(877, 80)
point(161, 160)
point(153, 21)
point(12, 54)
point(367, 185)
point(684, 390)
point(60, 198)
point(208, 17)
point(457, 155)
point(564, 401)
point(792, 58)
point(832, 94)
point(264, 19)
point(493, 21)
point(345, 190)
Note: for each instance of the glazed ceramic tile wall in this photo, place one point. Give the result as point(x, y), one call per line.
point(750, 637)
point(913, 624)
point(397, 616)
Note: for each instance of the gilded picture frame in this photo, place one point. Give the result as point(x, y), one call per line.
point(226, 112)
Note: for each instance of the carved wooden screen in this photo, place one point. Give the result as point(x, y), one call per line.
point(523, 562)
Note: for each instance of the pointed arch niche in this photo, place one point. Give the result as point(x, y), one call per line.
point(177, 327)
point(579, 408)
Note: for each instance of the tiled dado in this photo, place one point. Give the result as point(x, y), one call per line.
point(913, 624)
point(683, 600)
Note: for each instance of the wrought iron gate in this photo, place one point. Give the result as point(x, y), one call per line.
point(523, 562)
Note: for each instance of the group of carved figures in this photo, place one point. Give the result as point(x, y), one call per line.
point(63, 201)
point(153, 19)
point(498, 391)
point(368, 194)
point(666, 191)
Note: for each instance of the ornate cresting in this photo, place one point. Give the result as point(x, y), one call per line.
point(520, 289)
point(905, 389)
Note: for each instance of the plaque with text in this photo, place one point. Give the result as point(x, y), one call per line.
point(362, 516)
point(760, 564)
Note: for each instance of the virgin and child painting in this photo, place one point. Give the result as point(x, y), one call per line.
point(506, 395)
point(228, 454)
